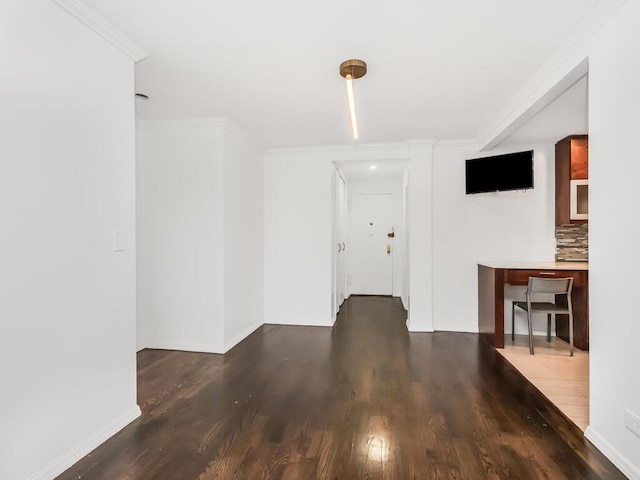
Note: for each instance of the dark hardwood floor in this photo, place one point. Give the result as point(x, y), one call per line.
point(364, 400)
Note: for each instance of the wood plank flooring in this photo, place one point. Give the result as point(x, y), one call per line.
point(564, 380)
point(363, 400)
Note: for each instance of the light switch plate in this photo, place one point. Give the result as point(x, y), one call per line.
point(119, 240)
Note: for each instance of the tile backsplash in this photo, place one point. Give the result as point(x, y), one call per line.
point(572, 242)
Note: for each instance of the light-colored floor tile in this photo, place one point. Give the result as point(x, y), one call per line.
point(564, 380)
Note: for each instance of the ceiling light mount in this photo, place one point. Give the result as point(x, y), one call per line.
point(354, 67)
point(350, 70)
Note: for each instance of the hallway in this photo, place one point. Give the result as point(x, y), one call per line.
point(365, 399)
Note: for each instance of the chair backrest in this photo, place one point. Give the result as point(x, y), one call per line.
point(559, 286)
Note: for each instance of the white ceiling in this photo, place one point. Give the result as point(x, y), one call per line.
point(437, 69)
point(566, 115)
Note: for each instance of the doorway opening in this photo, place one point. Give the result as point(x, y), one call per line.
point(370, 242)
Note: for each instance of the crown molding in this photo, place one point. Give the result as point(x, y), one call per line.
point(461, 143)
point(233, 129)
point(367, 151)
point(565, 67)
point(94, 21)
point(206, 122)
point(422, 143)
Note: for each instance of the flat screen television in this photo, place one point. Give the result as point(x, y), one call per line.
point(513, 171)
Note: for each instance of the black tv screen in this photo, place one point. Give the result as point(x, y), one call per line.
point(513, 171)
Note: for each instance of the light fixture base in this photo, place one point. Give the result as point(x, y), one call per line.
point(354, 67)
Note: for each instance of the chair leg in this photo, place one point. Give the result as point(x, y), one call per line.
point(513, 320)
point(530, 333)
point(548, 327)
point(571, 334)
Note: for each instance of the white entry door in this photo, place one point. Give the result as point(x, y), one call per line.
point(371, 249)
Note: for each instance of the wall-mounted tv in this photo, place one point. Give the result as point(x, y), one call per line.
point(513, 171)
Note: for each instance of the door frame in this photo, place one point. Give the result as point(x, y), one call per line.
point(337, 176)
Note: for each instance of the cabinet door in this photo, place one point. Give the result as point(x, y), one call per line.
point(579, 159)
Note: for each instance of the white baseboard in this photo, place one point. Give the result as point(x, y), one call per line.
point(612, 454)
point(201, 348)
point(418, 329)
point(79, 451)
point(238, 338)
point(302, 324)
point(185, 347)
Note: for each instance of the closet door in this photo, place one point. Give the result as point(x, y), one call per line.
point(341, 234)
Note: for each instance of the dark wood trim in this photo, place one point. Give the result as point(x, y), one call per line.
point(490, 289)
point(580, 305)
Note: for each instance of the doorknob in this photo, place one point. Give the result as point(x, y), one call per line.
point(388, 249)
point(339, 248)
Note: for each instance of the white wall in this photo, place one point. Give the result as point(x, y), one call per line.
point(298, 239)
point(181, 279)
point(395, 189)
point(201, 220)
point(614, 169)
point(141, 260)
point(420, 218)
point(406, 286)
point(67, 300)
point(483, 227)
point(243, 238)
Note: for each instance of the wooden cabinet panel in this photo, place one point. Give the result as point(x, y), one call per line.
point(491, 305)
point(580, 304)
point(579, 159)
point(521, 277)
point(572, 163)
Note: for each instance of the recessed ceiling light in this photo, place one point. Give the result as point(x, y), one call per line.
point(372, 167)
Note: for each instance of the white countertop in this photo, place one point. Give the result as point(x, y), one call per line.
point(538, 265)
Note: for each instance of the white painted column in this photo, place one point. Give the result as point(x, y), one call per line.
point(420, 218)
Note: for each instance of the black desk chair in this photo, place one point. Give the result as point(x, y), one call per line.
point(557, 286)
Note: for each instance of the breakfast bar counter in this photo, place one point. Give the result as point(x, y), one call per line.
point(493, 276)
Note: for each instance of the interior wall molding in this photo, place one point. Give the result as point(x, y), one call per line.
point(612, 454)
point(461, 143)
point(241, 336)
point(561, 71)
point(233, 129)
point(205, 122)
point(93, 20)
point(98, 438)
point(346, 153)
point(208, 122)
point(429, 142)
point(186, 347)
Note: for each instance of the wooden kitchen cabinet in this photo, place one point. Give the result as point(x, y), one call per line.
point(572, 163)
